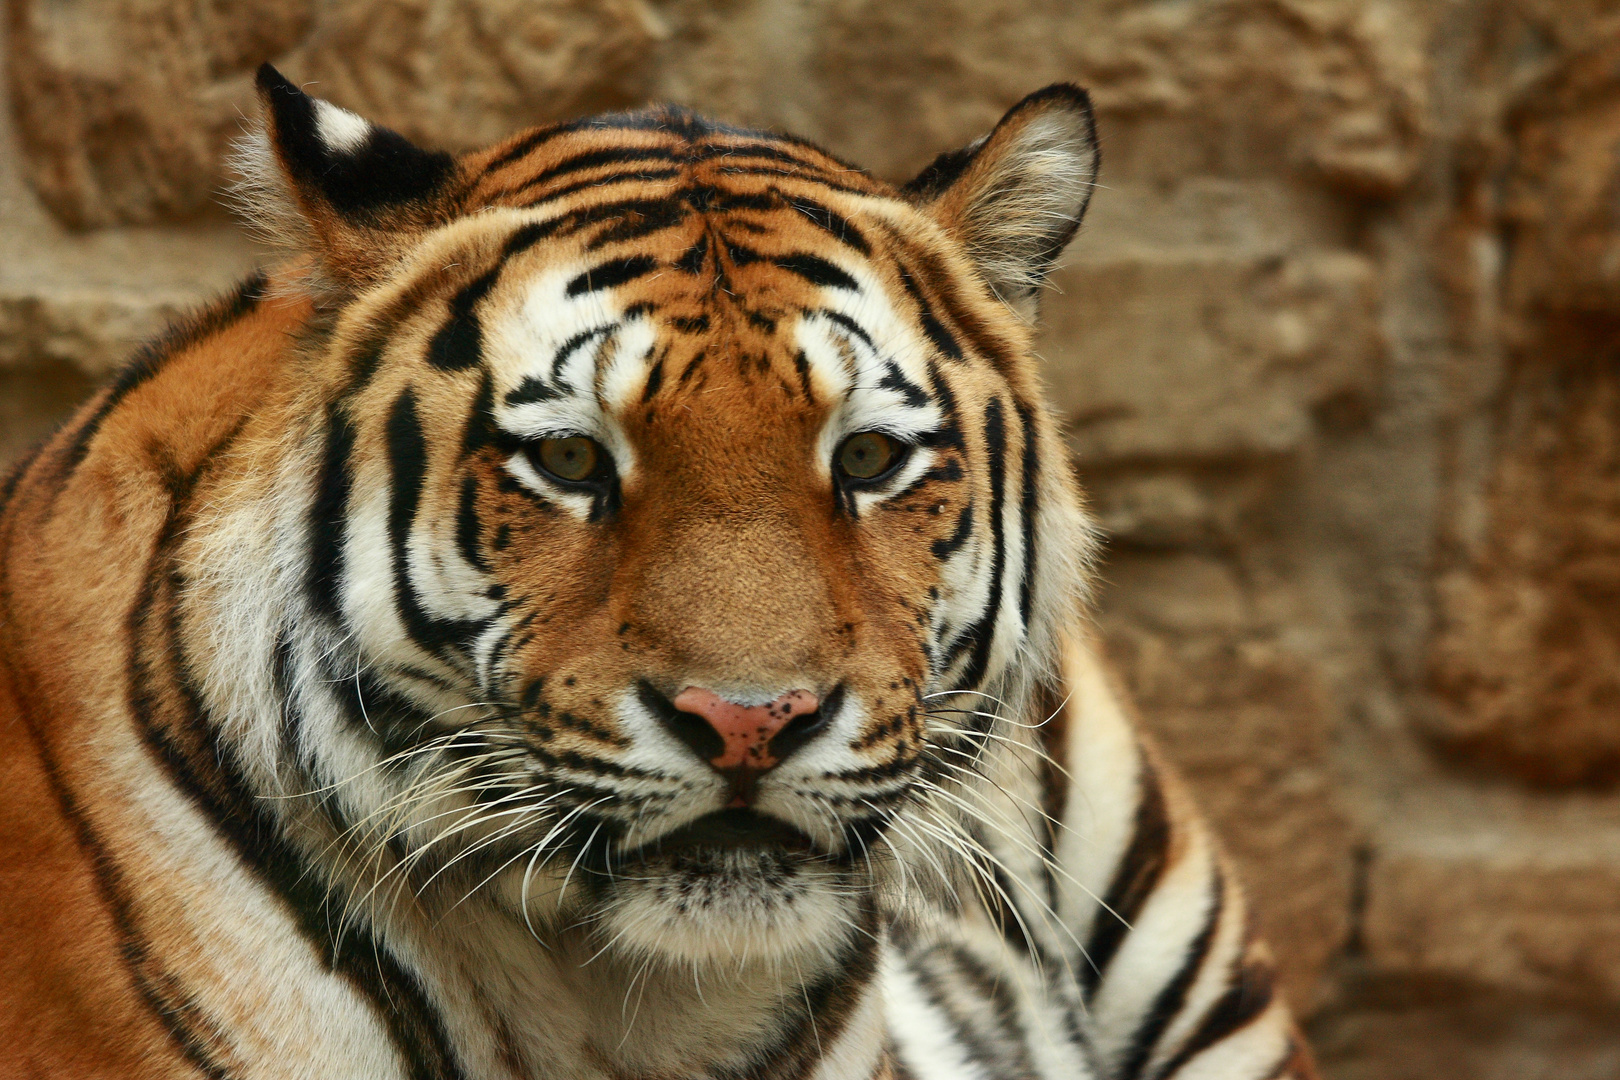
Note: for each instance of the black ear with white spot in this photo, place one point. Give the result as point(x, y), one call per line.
point(318, 175)
point(1015, 197)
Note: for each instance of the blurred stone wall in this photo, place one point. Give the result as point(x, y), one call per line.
point(1339, 350)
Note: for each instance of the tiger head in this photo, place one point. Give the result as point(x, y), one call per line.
point(679, 513)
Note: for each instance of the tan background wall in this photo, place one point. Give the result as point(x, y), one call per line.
point(1337, 347)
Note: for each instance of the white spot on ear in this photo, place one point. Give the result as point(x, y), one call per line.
point(341, 130)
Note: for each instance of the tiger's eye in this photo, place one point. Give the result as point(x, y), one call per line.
point(573, 459)
point(867, 454)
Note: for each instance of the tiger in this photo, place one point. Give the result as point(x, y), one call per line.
point(613, 604)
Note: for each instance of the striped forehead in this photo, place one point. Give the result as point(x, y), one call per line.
point(650, 148)
point(560, 354)
point(573, 342)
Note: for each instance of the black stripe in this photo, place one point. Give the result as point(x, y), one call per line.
point(894, 379)
point(573, 345)
point(655, 379)
point(964, 1028)
point(1174, 994)
point(832, 223)
point(1249, 996)
point(927, 268)
point(150, 358)
point(801, 365)
point(467, 524)
point(740, 255)
point(816, 177)
point(176, 1009)
point(942, 338)
point(719, 200)
point(376, 711)
point(1026, 509)
point(459, 343)
point(329, 513)
point(156, 989)
point(994, 989)
point(983, 633)
point(733, 150)
point(692, 260)
point(595, 183)
point(407, 457)
point(612, 274)
point(642, 224)
point(531, 391)
point(1052, 717)
point(1134, 880)
point(527, 144)
point(950, 433)
point(945, 548)
point(852, 326)
point(817, 271)
point(479, 430)
point(367, 964)
point(689, 128)
point(592, 159)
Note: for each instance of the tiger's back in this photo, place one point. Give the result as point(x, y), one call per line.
point(609, 609)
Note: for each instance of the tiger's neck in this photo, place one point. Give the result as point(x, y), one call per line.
point(523, 1005)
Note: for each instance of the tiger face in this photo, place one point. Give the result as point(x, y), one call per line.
point(678, 515)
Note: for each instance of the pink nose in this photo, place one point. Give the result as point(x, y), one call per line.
point(747, 730)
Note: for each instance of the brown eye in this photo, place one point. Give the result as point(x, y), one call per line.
point(867, 455)
point(574, 459)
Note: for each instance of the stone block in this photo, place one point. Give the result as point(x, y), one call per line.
point(33, 400)
point(1514, 893)
point(1332, 91)
point(125, 108)
point(1203, 354)
point(460, 74)
point(90, 330)
point(1443, 1031)
point(1526, 660)
point(1563, 191)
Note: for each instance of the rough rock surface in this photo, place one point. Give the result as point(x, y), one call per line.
point(1335, 350)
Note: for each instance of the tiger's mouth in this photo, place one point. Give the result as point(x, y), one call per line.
point(734, 829)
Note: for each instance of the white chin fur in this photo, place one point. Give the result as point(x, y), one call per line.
point(729, 907)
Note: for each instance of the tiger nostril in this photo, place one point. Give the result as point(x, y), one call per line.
point(736, 738)
point(691, 729)
point(802, 728)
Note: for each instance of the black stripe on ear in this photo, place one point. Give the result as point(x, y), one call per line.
point(373, 169)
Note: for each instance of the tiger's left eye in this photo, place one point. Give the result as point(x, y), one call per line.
point(867, 455)
point(574, 459)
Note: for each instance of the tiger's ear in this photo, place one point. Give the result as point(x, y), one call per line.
point(1014, 198)
point(319, 177)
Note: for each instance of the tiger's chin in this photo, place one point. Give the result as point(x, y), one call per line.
point(728, 889)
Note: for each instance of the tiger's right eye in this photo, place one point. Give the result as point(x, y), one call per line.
point(573, 460)
point(868, 455)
